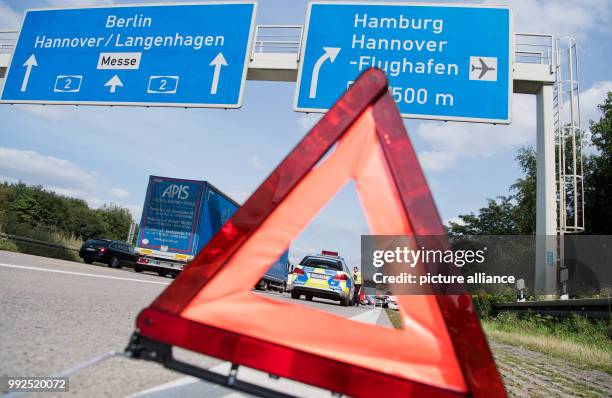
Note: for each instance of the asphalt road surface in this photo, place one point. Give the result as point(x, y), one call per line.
point(56, 314)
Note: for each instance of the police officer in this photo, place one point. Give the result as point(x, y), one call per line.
point(357, 281)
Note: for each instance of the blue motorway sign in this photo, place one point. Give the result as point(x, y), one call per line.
point(443, 62)
point(159, 55)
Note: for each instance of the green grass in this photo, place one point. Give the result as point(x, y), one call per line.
point(576, 339)
point(585, 343)
point(395, 318)
point(8, 245)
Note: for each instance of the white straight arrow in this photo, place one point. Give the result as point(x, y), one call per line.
point(330, 53)
point(218, 62)
point(28, 64)
point(113, 83)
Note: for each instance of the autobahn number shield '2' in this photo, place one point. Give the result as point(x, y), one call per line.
point(211, 309)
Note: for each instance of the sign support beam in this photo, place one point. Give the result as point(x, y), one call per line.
point(546, 217)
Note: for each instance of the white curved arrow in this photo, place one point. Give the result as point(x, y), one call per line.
point(218, 62)
point(28, 64)
point(330, 53)
point(113, 83)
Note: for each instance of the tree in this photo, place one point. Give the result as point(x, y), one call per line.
point(516, 214)
point(26, 209)
point(498, 218)
point(524, 190)
point(598, 174)
point(89, 224)
point(118, 220)
point(506, 215)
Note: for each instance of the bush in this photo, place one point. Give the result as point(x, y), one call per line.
point(43, 234)
point(483, 303)
point(8, 245)
point(30, 208)
point(35, 213)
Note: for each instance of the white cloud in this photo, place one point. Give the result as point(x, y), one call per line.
point(9, 19)
point(136, 212)
point(40, 169)
point(450, 141)
point(61, 176)
point(119, 193)
point(455, 220)
point(73, 193)
point(589, 100)
point(575, 18)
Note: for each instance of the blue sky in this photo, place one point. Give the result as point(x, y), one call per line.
point(106, 154)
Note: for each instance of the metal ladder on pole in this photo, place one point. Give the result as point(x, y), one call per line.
point(569, 148)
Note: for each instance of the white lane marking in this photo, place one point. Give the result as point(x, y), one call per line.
point(80, 274)
point(370, 317)
point(254, 376)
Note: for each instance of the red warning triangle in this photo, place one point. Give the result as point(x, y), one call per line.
point(211, 309)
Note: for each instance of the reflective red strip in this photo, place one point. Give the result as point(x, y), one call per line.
point(462, 323)
point(282, 361)
point(248, 218)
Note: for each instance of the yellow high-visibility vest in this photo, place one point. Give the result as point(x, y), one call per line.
point(357, 277)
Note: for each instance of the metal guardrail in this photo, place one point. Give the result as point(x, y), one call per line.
point(599, 308)
point(35, 242)
point(534, 48)
point(277, 39)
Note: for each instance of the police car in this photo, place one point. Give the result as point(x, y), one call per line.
point(324, 275)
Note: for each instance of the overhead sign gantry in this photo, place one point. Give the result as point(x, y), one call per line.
point(188, 55)
point(443, 62)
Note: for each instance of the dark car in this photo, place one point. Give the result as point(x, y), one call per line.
point(115, 254)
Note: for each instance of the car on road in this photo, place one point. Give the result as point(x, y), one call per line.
point(392, 303)
point(380, 300)
point(113, 253)
point(325, 276)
